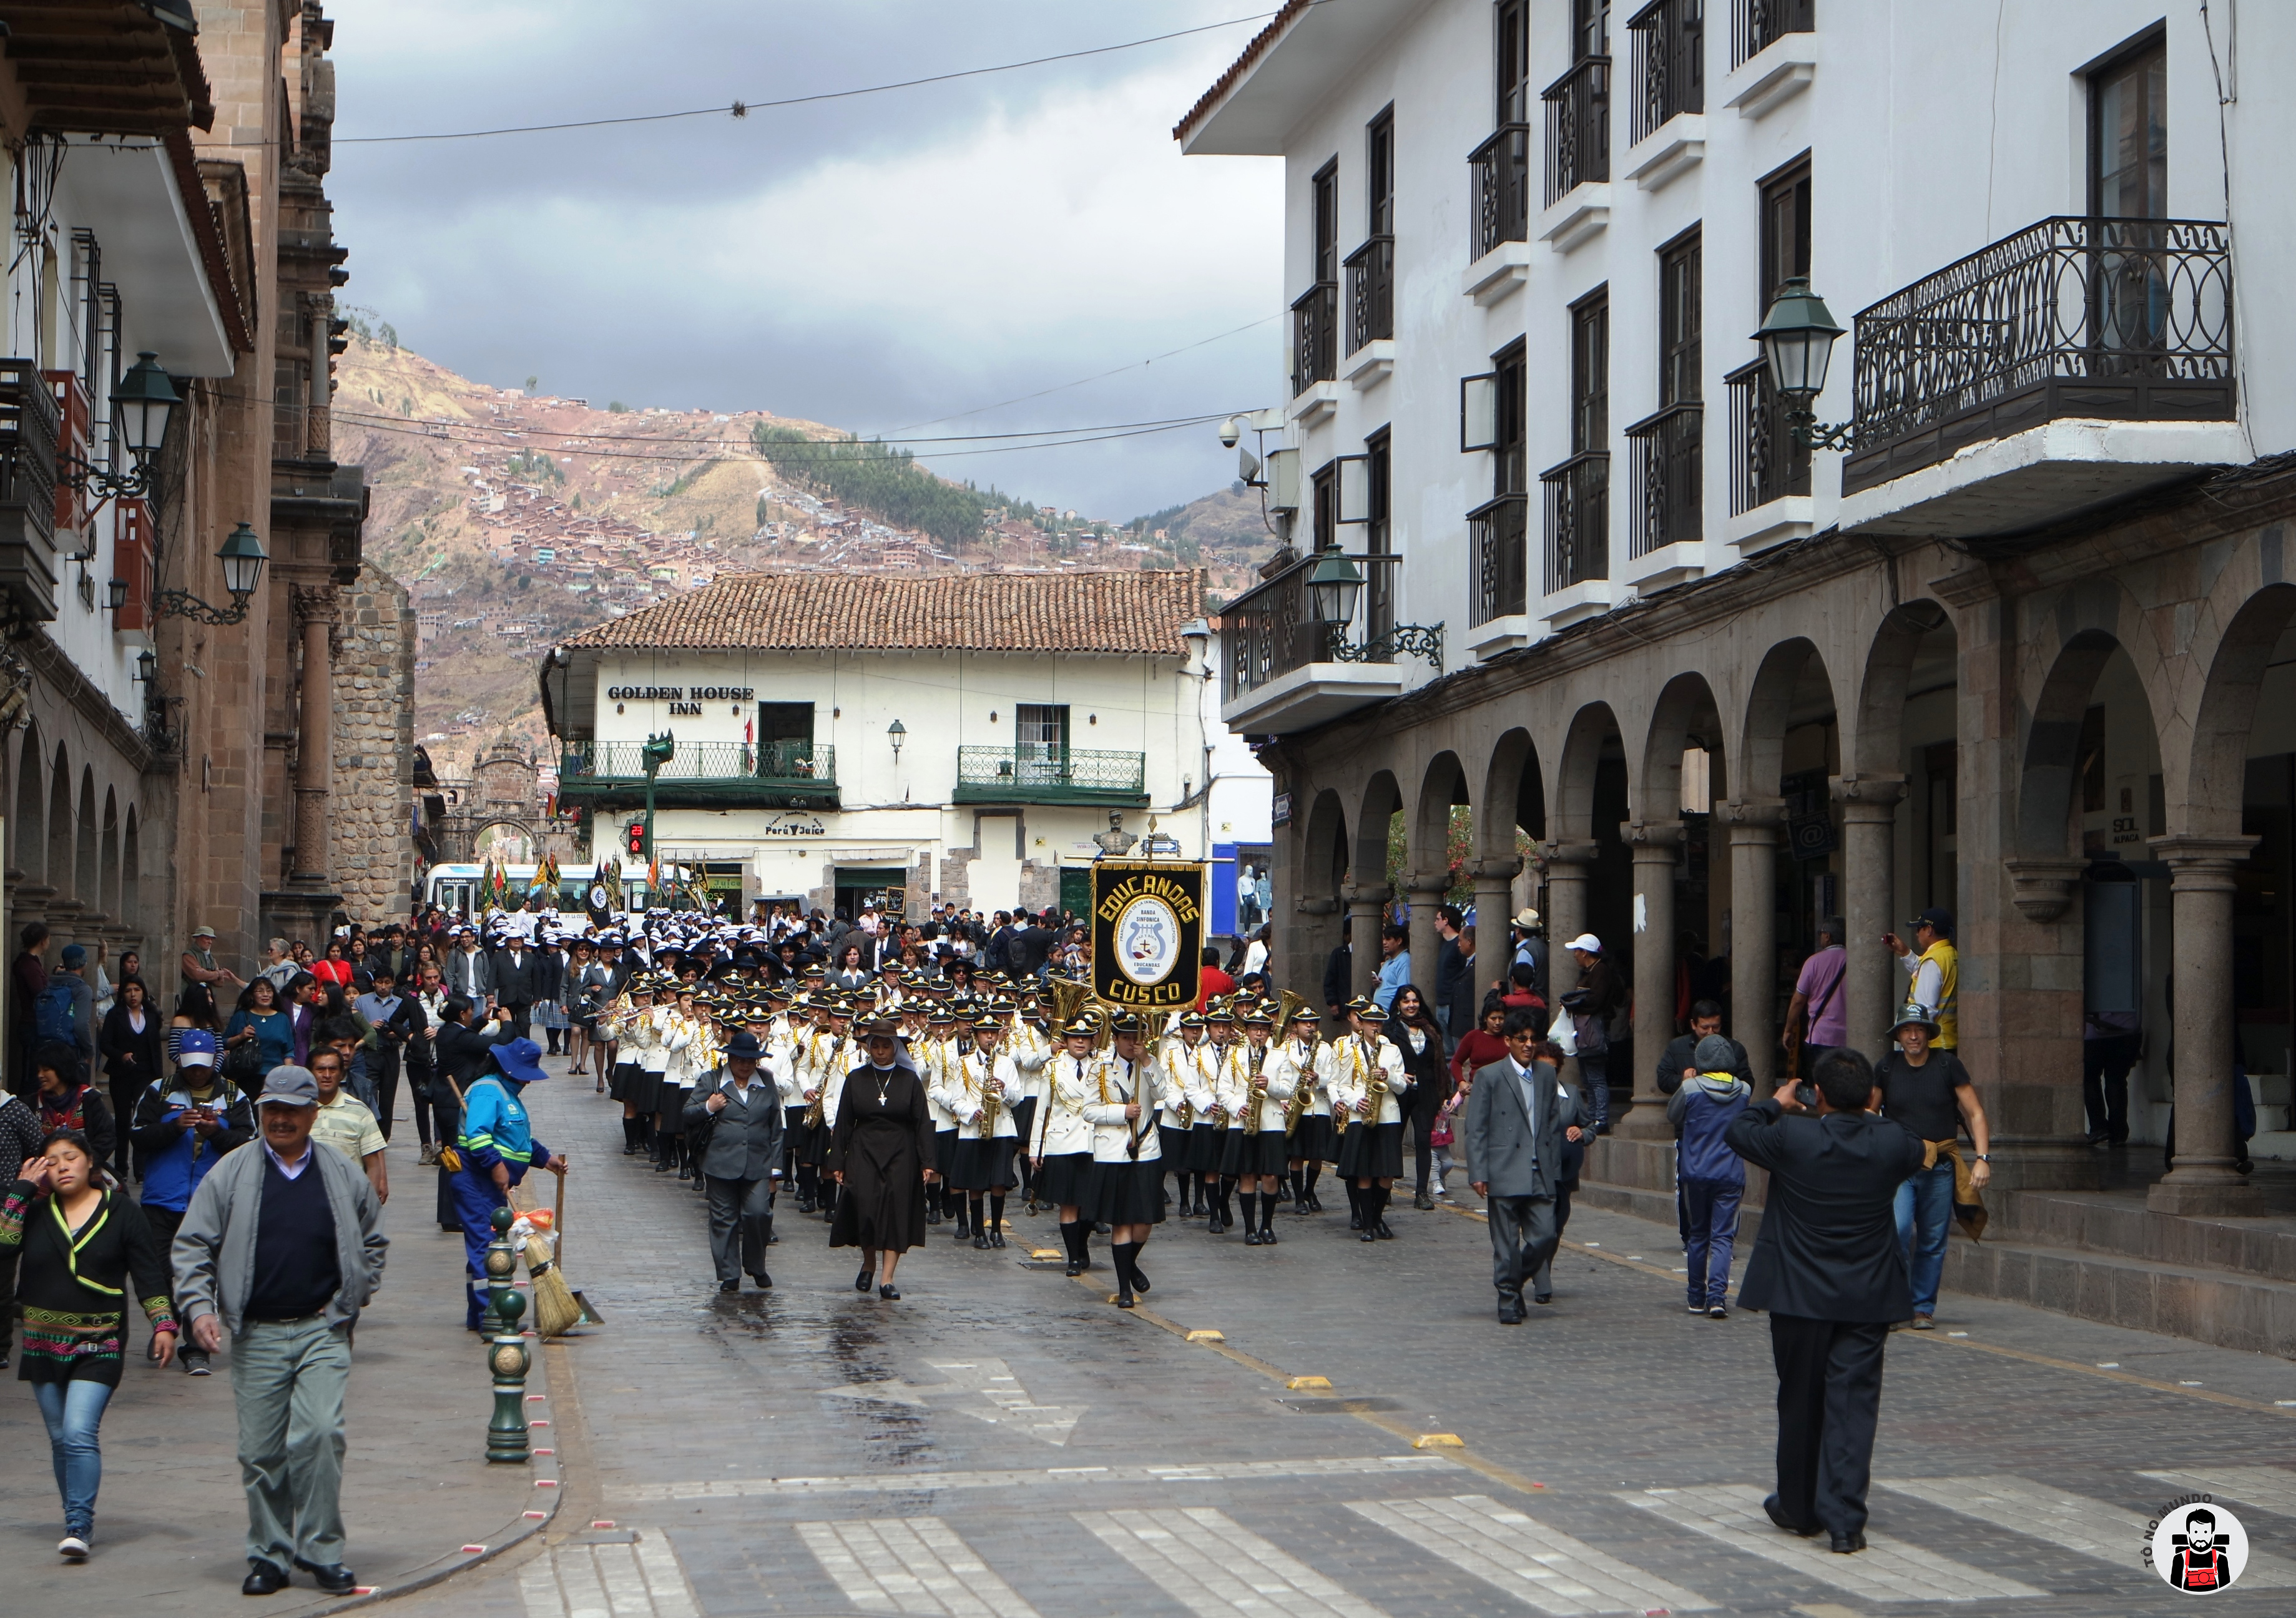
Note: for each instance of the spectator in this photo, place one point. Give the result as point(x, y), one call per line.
point(182, 1130)
point(1829, 1269)
point(258, 1023)
point(1338, 972)
point(280, 1249)
point(20, 1144)
point(470, 973)
point(2109, 1044)
point(1685, 1056)
point(131, 1043)
point(1448, 920)
point(337, 967)
point(1211, 982)
point(1395, 964)
point(388, 1015)
point(28, 978)
point(1448, 1125)
point(1929, 1092)
point(1935, 969)
point(1411, 1026)
point(66, 1011)
point(65, 1100)
point(516, 986)
point(100, 987)
point(1255, 953)
point(1530, 949)
point(1482, 1045)
point(278, 963)
point(1519, 991)
point(199, 965)
point(344, 1123)
point(1702, 1106)
point(1459, 1002)
point(77, 1257)
point(1518, 1115)
point(1818, 1017)
point(195, 1007)
point(1600, 996)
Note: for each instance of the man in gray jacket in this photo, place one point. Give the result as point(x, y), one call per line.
point(740, 1109)
point(280, 1249)
point(1518, 1117)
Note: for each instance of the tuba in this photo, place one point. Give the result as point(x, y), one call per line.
point(1069, 998)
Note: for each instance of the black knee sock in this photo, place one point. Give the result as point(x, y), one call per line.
point(974, 1201)
point(996, 1210)
point(1310, 1174)
point(1072, 1233)
point(1382, 1196)
point(1355, 1199)
point(1267, 1213)
point(1121, 1254)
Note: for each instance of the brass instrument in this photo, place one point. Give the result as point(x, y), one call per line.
point(1256, 1061)
point(989, 1097)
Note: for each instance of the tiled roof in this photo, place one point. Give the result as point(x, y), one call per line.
point(1243, 64)
point(1066, 612)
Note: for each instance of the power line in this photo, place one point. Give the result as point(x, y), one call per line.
point(627, 437)
point(742, 108)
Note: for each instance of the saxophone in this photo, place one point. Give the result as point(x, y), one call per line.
point(1303, 1096)
point(820, 1089)
point(1375, 1092)
point(1259, 1089)
point(989, 1098)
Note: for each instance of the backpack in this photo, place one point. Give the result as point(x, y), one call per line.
point(52, 1015)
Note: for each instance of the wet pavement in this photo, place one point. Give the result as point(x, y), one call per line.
point(1003, 1441)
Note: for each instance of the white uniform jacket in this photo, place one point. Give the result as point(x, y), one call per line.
point(1352, 1070)
point(1060, 1125)
point(964, 1078)
point(1303, 1069)
point(1115, 1084)
point(1236, 1080)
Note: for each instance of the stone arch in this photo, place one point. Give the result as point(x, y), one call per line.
point(479, 845)
point(1441, 785)
point(1779, 684)
point(1685, 710)
point(107, 857)
point(1382, 797)
point(1323, 849)
point(1513, 795)
point(59, 824)
point(2052, 745)
point(28, 829)
point(131, 883)
point(1879, 745)
point(2215, 776)
point(1571, 814)
point(87, 859)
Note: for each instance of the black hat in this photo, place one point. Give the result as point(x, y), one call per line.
point(1126, 1023)
point(744, 1047)
point(1941, 920)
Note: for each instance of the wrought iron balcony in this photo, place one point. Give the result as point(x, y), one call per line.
point(1766, 462)
point(2119, 319)
point(1371, 292)
point(1315, 336)
point(1670, 62)
point(1498, 544)
point(1037, 773)
point(1499, 173)
point(28, 426)
point(1669, 474)
point(1283, 668)
point(1579, 128)
point(1757, 25)
point(1578, 520)
point(790, 774)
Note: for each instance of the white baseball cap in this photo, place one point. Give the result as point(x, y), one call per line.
point(1586, 941)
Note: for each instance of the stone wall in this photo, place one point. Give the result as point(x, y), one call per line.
point(373, 852)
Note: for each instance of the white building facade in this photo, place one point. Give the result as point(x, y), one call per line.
point(2011, 641)
point(846, 741)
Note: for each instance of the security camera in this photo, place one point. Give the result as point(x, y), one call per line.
point(1230, 431)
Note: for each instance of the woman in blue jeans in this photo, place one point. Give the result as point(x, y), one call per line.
point(80, 1244)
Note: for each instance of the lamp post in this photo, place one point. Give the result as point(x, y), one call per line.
point(658, 751)
point(242, 557)
point(1798, 334)
point(896, 733)
point(140, 407)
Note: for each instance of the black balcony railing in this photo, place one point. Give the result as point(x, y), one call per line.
point(1041, 773)
point(1767, 461)
point(1670, 62)
point(1371, 292)
point(1315, 336)
point(1669, 474)
point(1578, 520)
point(1499, 546)
point(1757, 25)
point(1579, 128)
point(794, 771)
point(29, 425)
point(2125, 319)
point(1271, 630)
point(1499, 174)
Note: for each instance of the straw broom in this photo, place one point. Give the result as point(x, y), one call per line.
point(556, 1310)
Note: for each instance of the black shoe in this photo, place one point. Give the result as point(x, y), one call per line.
point(1139, 1281)
point(997, 1238)
point(686, 1170)
point(1124, 1300)
point(661, 1165)
point(336, 1579)
point(764, 1282)
point(1543, 1297)
point(1355, 1222)
point(1085, 1262)
point(1385, 1234)
point(729, 1287)
point(891, 1294)
point(1251, 1238)
point(1776, 1513)
point(1423, 1202)
point(981, 1241)
point(1100, 1227)
point(1268, 1238)
point(1367, 1235)
point(861, 1281)
point(933, 1216)
point(805, 1204)
point(1074, 1269)
point(1511, 1310)
point(1846, 1544)
point(262, 1578)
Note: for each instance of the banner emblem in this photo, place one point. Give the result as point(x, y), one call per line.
point(1147, 926)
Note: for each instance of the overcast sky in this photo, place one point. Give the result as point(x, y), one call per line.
point(874, 262)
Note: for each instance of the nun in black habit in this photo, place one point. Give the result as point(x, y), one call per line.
point(883, 1155)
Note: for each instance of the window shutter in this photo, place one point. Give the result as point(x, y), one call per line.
point(1478, 412)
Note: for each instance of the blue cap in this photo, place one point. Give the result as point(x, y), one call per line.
point(74, 955)
point(521, 1060)
point(196, 1048)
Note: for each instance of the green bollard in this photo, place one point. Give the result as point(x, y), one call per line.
point(502, 1269)
point(508, 1358)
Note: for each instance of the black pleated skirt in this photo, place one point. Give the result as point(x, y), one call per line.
point(1128, 1194)
point(1316, 1139)
point(797, 1135)
point(1206, 1145)
point(982, 1165)
point(1255, 1152)
point(669, 1105)
point(1174, 1141)
point(1067, 1181)
point(618, 1083)
point(1372, 1151)
point(1024, 1121)
point(642, 1090)
point(944, 1150)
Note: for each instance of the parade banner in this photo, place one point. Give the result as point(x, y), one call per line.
point(1147, 932)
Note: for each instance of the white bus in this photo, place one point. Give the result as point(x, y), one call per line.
point(454, 887)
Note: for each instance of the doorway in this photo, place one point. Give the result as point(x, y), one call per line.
point(884, 889)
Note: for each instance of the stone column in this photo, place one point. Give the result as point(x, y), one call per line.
point(316, 614)
point(1653, 844)
point(1872, 982)
point(1426, 891)
point(1493, 892)
point(2203, 1182)
point(1364, 905)
point(1568, 868)
point(1754, 931)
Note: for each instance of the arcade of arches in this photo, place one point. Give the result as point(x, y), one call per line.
point(2083, 745)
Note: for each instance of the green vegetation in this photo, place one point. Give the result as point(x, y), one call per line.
point(535, 466)
point(616, 406)
point(882, 480)
point(678, 485)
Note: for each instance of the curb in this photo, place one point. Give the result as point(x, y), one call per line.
point(549, 1479)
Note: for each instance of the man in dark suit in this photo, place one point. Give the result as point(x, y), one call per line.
point(1518, 1117)
point(741, 1110)
point(1829, 1269)
point(518, 969)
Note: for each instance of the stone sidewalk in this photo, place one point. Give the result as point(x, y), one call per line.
point(1002, 1442)
point(171, 1521)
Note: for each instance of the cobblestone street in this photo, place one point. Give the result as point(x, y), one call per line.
point(1001, 1441)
